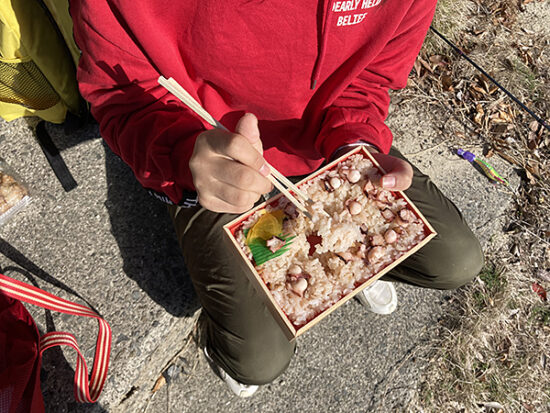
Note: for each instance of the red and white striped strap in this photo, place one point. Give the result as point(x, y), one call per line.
point(85, 390)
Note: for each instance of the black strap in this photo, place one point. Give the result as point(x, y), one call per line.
point(54, 158)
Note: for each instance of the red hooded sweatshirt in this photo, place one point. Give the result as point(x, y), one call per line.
point(315, 73)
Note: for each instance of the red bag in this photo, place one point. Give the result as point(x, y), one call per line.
point(21, 348)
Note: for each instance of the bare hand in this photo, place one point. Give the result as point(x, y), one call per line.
point(229, 171)
point(399, 173)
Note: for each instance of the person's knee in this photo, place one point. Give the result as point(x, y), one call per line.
point(261, 364)
point(255, 353)
point(459, 264)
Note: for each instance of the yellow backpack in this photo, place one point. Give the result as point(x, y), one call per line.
point(38, 58)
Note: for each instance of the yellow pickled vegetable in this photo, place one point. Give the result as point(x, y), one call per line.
point(269, 225)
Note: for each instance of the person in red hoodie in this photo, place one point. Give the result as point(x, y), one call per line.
point(299, 83)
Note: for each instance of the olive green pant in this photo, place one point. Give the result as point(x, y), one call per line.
point(241, 334)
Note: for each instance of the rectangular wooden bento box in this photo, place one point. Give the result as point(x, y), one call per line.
point(291, 330)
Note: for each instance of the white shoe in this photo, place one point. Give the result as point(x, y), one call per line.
point(380, 297)
point(241, 390)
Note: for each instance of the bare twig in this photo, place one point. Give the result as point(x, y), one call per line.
point(424, 150)
point(521, 224)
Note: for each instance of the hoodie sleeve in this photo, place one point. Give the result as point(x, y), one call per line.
point(146, 126)
point(360, 111)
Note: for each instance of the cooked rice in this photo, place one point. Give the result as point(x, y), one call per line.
point(329, 276)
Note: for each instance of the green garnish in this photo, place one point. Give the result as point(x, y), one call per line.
point(261, 253)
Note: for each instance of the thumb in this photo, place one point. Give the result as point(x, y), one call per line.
point(399, 173)
point(248, 127)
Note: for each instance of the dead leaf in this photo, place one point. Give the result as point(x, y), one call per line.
point(539, 289)
point(417, 67)
point(534, 167)
point(506, 116)
point(530, 177)
point(496, 118)
point(532, 140)
point(476, 95)
point(161, 381)
point(483, 80)
point(480, 90)
point(479, 115)
point(499, 128)
point(447, 82)
point(425, 64)
point(534, 125)
point(478, 118)
point(436, 59)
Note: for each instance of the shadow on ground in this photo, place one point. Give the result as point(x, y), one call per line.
point(143, 232)
point(145, 236)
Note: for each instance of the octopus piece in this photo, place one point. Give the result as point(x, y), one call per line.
point(291, 211)
point(275, 244)
point(382, 199)
point(405, 217)
point(298, 283)
point(332, 183)
point(390, 236)
point(354, 207)
point(295, 270)
point(298, 286)
point(376, 240)
point(368, 187)
point(357, 254)
point(353, 175)
point(335, 182)
point(343, 171)
point(388, 214)
point(375, 253)
point(362, 252)
point(399, 230)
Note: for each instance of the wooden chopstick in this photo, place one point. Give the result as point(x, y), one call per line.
point(290, 185)
point(177, 90)
point(289, 196)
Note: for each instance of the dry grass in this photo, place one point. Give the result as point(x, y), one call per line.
point(492, 351)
